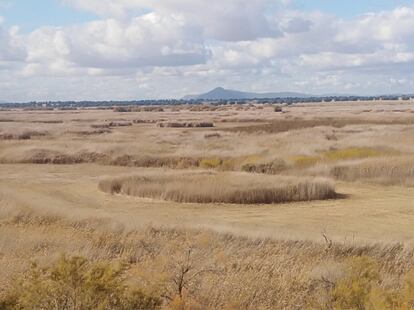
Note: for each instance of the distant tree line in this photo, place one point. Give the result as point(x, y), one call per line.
point(69, 105)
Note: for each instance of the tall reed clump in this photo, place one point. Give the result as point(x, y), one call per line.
point(390, 170)
point(237, 188)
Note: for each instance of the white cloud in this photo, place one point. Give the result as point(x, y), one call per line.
point(11, 44)
point(229, 20)
point(160, 48)
point(113, 44)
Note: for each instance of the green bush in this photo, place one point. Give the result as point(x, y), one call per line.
point(75, 284)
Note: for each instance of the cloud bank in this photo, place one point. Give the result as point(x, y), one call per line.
point(166, 48)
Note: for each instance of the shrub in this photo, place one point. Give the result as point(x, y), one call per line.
point(122, 109)
point(362, 287)
point(75, 283)
point(273, 167)
point(120, 124)
point(305, 161)
point(186, 125)
point(353, 291)
point(210, 163)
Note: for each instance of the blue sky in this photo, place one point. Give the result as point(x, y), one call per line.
point(123, 50)
point(350, 8)
point(30, 14)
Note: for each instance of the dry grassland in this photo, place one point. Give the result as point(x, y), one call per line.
point(309, 208)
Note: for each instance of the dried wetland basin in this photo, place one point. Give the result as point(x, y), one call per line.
point(361, 151)
point(312, 188)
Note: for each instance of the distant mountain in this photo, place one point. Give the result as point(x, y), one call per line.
point(220, 93)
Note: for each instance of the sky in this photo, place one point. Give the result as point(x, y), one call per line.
point(150, 49)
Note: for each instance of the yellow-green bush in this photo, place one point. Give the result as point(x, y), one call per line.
point(362, 287)
point(305, 161)
point(351, 153)
point(210, 163)
point(337, 155)
point(75, 283)
point(354, 290)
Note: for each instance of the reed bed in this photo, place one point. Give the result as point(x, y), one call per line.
point(199, 269)
point(234, 188)
point(388, 170)
point(284, 125)
point(23, 135)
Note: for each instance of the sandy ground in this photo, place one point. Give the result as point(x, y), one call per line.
point(370, 213)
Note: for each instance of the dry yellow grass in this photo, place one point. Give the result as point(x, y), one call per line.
point(337, 155)
point(298, 255)
point(221, 270)
point(237, 188)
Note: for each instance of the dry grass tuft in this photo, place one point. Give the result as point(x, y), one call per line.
point(186, 125)
point(212, 135)
point(203, 108)
point(120, 124)
point(237, 188)
point(154, 162)
point(275, 167)
point(25, 135)
point(7, 120)
point(47, 122)
point(90, 132)
point(44, 156)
